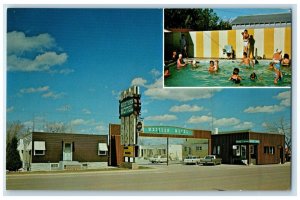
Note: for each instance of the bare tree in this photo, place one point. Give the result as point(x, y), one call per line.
point(57, 127)
point(283, 127)
point(14, 130)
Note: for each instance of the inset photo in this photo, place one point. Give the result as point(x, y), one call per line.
point(223, 47)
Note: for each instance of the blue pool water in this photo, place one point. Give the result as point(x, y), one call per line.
point(200, 77)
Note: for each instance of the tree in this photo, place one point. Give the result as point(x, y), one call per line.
point(57, 127)
point(281, 127)
point(195, 19)
point(13, 161)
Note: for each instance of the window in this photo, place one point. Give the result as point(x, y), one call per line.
point(54, 165)
point(198, 148)
point(269, 150)
point(266, 150)
point(251, 149)
point(102, 149)
point(39, 148)
point(272, 150)
point(236, 150)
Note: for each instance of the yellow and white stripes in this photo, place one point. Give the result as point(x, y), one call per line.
point(210, 44)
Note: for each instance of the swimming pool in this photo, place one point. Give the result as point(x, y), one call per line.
point(200, 77)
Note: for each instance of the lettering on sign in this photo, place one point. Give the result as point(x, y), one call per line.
point(167, 130)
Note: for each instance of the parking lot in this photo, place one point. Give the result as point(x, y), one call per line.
point(162, 177)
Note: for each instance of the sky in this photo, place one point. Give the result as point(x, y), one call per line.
point(231, 13)
point(68, 66)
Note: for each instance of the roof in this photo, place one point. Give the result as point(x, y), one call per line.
point(263, 19)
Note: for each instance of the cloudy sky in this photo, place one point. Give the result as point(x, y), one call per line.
point(68, 66)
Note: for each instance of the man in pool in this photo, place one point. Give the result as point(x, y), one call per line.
point(180, 62)
point(235, 76)
point(247, 61)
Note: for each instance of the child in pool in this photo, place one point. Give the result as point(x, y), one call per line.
point(235, 76)
point(253, 76)
point(247, 61)
point(286, 60)
point(211, 66)
point(216, 65)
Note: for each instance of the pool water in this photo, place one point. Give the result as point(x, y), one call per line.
point(201, 77)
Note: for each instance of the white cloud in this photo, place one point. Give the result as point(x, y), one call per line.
point(155, 73)
point(86, 111)
point(244, 125)
point(226, 122)
point(78, 122)
point(264, 109)
point(285, 98)
point(41, 62)
point(10, 109)
point(139, 81)
point(161, 118)
point(264, 124)
point(53, 95)
point(199, 119)
point(34, 90)
point(42, 50)
point(185, 108)
point(18, 43)
point(156, 91)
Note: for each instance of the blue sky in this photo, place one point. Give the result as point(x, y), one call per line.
point(67, 66)
point(231, 13)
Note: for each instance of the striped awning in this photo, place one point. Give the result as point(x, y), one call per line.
point(39, 145)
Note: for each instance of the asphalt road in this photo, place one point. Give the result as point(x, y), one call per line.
point(175, 177)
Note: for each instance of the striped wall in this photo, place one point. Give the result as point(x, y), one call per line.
point(210, 44)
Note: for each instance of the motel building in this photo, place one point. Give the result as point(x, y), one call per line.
point(41, 151)
point(236, 147)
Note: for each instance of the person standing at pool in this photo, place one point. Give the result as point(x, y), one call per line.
point(277, 65)
point(235, 76)
point(251, 46)
point(180, 62)
point(245, 40)
point(247, 61)
point(183, 45)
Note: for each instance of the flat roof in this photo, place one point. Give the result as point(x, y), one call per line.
point(263, 19)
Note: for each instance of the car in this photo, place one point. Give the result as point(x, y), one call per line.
point(158, 159)
point(211, 159)
point(191, 160)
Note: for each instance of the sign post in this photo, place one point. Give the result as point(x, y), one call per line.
point(129, 112)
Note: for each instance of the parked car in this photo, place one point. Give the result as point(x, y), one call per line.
point(158, 159)
point(191, 160)
point(210, 159)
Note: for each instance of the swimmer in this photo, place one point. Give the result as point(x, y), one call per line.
point(286, 60)
point(253, 76)
point(246, 61)
point(235, 76)
point(216, 65)
point(180, 62)
point(194, 64)
point(211, 66)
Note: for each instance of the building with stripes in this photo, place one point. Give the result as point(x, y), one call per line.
point(270, 32)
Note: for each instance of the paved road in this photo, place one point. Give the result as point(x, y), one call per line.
point(175, 177)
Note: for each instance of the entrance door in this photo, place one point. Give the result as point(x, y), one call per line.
point(67, 152)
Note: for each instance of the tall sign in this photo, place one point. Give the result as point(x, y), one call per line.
point(129, 111)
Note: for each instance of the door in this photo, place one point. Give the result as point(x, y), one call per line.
point(67, 154)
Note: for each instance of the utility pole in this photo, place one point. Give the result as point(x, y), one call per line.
point(167, 151)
